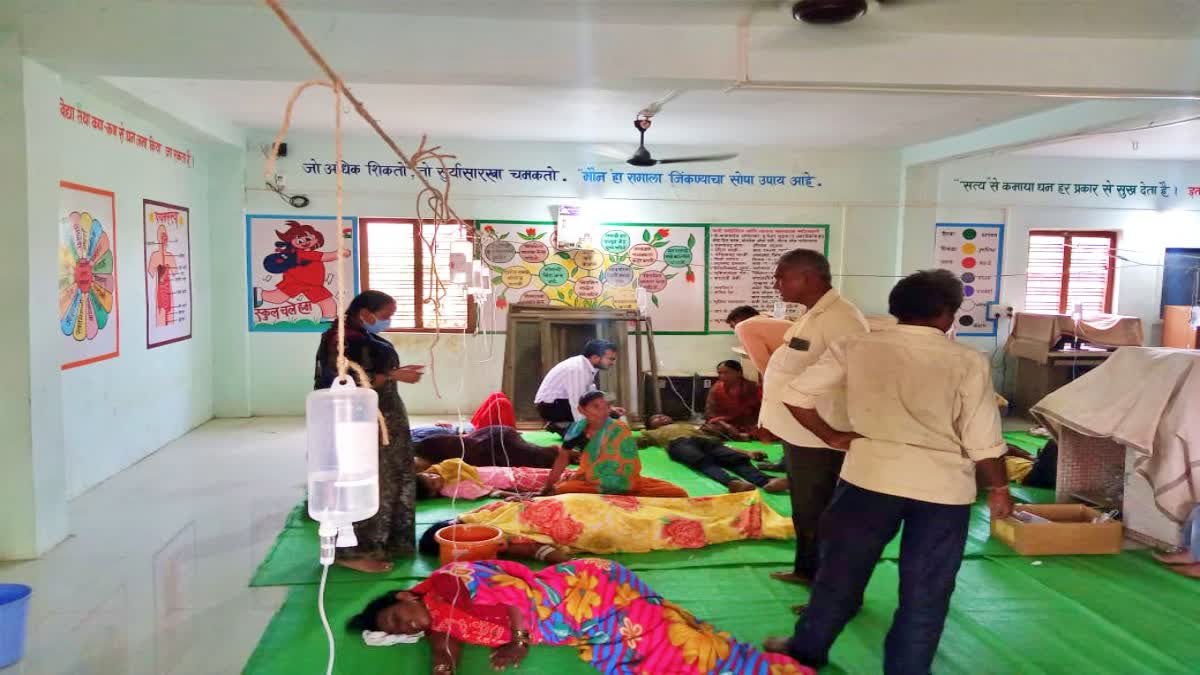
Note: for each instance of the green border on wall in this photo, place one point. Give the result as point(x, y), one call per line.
point(480, 222)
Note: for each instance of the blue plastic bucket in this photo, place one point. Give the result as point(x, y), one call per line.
point(14, 610)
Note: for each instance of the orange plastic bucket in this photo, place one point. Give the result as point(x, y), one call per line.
point(469, 542)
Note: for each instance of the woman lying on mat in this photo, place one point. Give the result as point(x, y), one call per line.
point(609, 463)
point(456, 479)
point(733, 403)
point(614, 620)
point(621, 524)
point(488, 446)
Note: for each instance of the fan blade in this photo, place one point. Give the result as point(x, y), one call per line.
point(657, 106)
point(611, 152)
point(699, 158)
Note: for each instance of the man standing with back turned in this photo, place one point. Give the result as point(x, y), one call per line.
point(924, 419)
point(803, 276)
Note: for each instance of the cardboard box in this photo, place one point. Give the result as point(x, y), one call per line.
point(1071, 533)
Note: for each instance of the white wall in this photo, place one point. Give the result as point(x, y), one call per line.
point(118, 411)
point(1147, 224)
point(858, 199)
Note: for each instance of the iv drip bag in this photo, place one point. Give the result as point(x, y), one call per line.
point(461, 252)
point(343, 454)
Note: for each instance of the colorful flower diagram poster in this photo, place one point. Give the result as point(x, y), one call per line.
point(291, 270)
point(527, 267)
point(87, 275)
point(975, 253)
point(168, 255)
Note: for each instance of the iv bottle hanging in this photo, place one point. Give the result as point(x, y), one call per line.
point(461, 252)
point(343, 459)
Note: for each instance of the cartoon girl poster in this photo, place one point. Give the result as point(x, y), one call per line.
point(292, 270)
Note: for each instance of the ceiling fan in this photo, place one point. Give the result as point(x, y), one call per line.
point(641, 156)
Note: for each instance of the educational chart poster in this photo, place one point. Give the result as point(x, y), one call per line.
point(168, 254)
point(291, 270)
point(666, 260)
point(741, 264)
point(975, 253)
point(87, 275)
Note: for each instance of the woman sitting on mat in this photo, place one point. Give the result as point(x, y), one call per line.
point(603, 524)
point(612, 618)
point(609, 463)
point(456, 479)
point(733, 403)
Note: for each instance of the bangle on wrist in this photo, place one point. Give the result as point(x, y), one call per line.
point(998, 488)
point(443, 668)
point(520, 637)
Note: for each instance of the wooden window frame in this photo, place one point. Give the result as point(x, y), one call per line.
point(1064, 289)
point(419, 252)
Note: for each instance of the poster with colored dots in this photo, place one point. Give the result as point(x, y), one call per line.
point(528, 267)
point(974, 252)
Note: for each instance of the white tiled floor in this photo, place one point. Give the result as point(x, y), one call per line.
point(154, 577)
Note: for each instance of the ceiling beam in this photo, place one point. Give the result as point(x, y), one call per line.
point(1038, 128)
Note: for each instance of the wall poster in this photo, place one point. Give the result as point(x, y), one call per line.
point(974, 252)
point(87, 275)
point(666, 260)
point(291, 270)
point(168, 255)
point(741, 264)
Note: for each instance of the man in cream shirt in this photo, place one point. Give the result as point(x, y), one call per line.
point(924, 419)
point(803, 276)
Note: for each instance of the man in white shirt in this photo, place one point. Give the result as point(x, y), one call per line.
point(558, 396)
point(924, 419)
point(803, 276)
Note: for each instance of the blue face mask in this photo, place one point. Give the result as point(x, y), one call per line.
point(378, 326)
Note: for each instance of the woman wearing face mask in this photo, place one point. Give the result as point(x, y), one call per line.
point(391, 532)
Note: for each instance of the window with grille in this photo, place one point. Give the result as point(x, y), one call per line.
point(1068, 269)
point(395, 259)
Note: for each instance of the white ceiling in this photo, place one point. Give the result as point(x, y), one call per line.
point(695, 118)
point(1175, 142)
point(579, 70)
point(1096, 18)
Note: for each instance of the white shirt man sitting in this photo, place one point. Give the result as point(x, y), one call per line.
point(558, 396)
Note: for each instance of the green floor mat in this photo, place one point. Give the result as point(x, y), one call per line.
point(1026, 441)
point(1101, 614)
point(293, 558)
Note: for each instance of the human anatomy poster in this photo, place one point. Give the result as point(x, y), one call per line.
point(168, 254)
point(87, 275)
point(527, 267)
point(974, 252)
point(291, 270)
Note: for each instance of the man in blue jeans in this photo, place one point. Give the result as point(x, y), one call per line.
point(924, 420)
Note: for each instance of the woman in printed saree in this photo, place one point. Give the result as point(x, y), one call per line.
point(617, 623)
point(609, 462)
point(456, 479)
